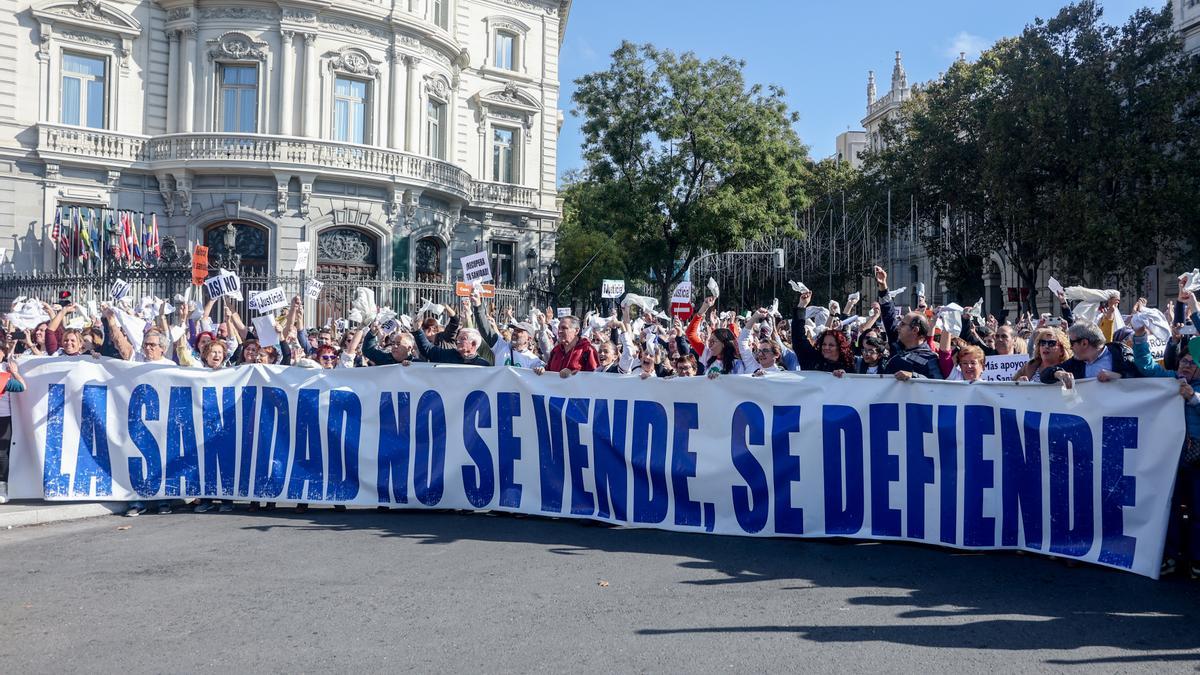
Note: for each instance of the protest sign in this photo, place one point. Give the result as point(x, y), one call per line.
point(463, 290)
point(301, 263)
point(264, 328)
point(978, 467)
point(120, 289)
point(612, 288)
point(564, 311)
point(270, 299)
point(312, 288)
point(226, 283)
point(199, 265)
point(1003, 368)
point(682, 293)
point(475, 268)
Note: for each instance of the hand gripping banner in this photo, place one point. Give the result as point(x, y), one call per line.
point(1083, 474)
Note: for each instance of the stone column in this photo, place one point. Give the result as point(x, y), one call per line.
point(286, 84)
point(311, 83)
point(187, 111)
point(412, 106)
point(172, 81)
point(396, 108)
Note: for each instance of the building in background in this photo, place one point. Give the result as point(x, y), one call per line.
point(1186, 14)
point(394, 136)
point(850, 146)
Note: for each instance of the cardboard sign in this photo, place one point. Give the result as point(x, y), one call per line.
point(312, 288)
point(302, 248)
point(270, 299)
point(683, 293)
point(120, 289)
point(612, 288)
point(225, 283)
point(564, 311)
point(476, 268)
point(264, 328)
point(463, 290)
point(1003, 368)
point(199, 265)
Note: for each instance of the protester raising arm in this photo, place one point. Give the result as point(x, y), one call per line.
point(692, 333)
point(885, 306)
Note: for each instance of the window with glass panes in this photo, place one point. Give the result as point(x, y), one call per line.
point(439, 11)
point(435, 120)
point(239, 98)
point(83, 98)
point(349, 110)
point(505, 50)
point(503, 150)
point(502, 261)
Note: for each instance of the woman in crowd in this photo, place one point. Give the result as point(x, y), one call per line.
point(1050, 348)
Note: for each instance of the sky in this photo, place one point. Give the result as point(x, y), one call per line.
point(819, 51)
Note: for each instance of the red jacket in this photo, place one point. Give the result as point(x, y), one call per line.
point(582, 357)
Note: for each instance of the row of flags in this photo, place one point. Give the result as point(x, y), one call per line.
point(84, 234)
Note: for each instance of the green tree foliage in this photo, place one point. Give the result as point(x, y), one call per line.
point(1074, 142)
point(587, 251)
point(683, 157)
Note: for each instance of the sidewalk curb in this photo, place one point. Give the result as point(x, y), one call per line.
point(45, 512)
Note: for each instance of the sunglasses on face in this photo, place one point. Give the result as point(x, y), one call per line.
point(1048, 343)
point(1077, 340)
point(329, 357)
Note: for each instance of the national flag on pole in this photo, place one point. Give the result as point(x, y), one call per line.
point(136, 235)
point(85, 236)
point(59, 234)
point(153, 242)
point(126, 232)
point(97, 235)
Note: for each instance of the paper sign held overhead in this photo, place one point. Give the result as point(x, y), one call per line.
point(612, 288)
point(463, 290)
point(199, 265)
point(564, 311)
point(302, 249)
point(312, 288)
point(226, 283)
point(264, 328)
point(683, 292)
point(475, 267)
point(268, 300)
point(120, 289)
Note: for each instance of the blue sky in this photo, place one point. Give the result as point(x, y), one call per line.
point(819, 51)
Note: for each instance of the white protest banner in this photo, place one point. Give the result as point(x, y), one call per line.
point(476, 268)
point(302, 249)
point(312, 288)
point(264, 328)
point(270, 299)
point(612, 288)
point(225, 283)
point(120, 289)
point(1003, 368)
point(977, 467)
point(564, 311)
point(683, 292)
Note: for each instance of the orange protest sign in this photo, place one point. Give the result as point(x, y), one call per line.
point(199, 265)
point(462, 289)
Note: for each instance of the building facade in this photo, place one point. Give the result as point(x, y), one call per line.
point(395, 136)
point(849, 148)
point(1187, 22)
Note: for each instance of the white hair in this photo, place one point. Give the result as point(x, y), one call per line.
point(472, 335)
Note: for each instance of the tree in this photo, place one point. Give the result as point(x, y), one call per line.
point(682, 157)
point(586, 253)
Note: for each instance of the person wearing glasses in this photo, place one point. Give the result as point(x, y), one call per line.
point(465, 352)
point(1051, 347)
point(912, 355)
point(214, 358)
point(327, 356)
point(154, 348)
point(686, 366)
point(872, 357)
point(573, 353)
point(1092, 357)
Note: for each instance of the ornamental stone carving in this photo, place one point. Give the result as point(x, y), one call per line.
point(353, 62)
point(179, 13)
point(299, 16)
point(237, 47)
point(345, 245)
point(238, 13)
point(90, 38)
point(86, 9)
point(353, 28)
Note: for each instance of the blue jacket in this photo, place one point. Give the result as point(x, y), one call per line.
point(1149, 368)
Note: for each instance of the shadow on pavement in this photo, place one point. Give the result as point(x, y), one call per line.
point(950, 599)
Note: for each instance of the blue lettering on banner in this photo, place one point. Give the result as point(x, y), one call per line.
point(308, 461)
point(92, 460)
point(842, 432)
point(1117, 491)
point(430, 457)
point(649, 459)
point(1021, 467)
point(918, 423)
point(345, 426)
point(608, 446)
point(508, 406)
point(1071, 525)
point(550, 451)
point(978, 475)
point(479, 478)
point(885, 469)
point(220, 440)
point(785, 421)
point(55, 483)
point(274, 442)
point(145, 472)
point(683, 465)
point(582, 503)
point(751, 503)
point(249, 402)
point(393, 453)
point(183, 459)
point(947, 431)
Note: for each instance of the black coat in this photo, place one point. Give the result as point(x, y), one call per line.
point(1122, 364)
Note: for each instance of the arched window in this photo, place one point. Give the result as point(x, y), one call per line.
point(347, 253)
point(427, 260)
point(250, 243)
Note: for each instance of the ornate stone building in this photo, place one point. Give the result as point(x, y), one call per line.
point(396, 135)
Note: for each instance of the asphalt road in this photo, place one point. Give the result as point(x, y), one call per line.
point(368, 592)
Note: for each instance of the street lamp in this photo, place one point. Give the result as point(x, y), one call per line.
point(229, 259)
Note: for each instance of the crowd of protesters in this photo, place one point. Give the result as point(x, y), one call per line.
point(1088, 339)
